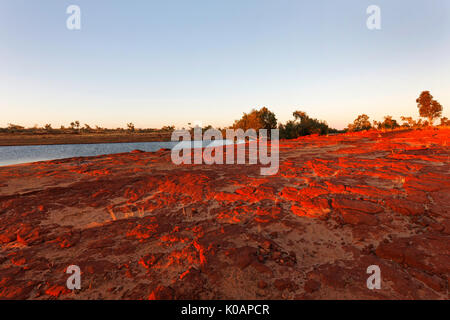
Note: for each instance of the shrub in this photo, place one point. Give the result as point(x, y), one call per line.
point(303, 125)
point(361, 123)
point(408, 122)
point(388, 123)
point(130, 127)
point(445, 122)
point(257, 119)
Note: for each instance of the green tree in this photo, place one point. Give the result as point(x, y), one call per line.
point(268, 118)
point(302, 125)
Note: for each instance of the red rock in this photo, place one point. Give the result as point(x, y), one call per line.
point(434, 282)
point(161, 293)
point(266, 245)
point(262, 284)
point(392, 251)
point(369, 191)
point(284, 284)
point(262, 268)
point(358, 205)
point(141, 227)
point(359, 218)
point(311, 286)
point(245, 256)
point(56, 291)
point(405, 207)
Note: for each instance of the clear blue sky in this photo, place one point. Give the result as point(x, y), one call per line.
point(157, 63)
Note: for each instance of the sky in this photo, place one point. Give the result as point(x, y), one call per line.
point(174, 62)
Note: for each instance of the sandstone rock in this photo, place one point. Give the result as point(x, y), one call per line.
point(405, 207)
point(357, 205)
point(262, 284)
point(245, 256)
point(311, 286)
point(285, 284)
point(358, 218)
point(315, 226)
point(161, 293)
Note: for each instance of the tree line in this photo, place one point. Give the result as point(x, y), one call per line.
point(429, 109)
point(75, 128)
point(301, 124)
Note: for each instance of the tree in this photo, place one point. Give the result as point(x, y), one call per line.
point(14, 127)
point(168, 128)
point(257, 119)
point(361, 123)
point(445, 121)
point(268, 118)
point(421, 123)
point(75, 125)
point(376, 124)
point(408, 122)
point(300, 115)
point(302, 125)
point(388, 123)
point(130, 127)
point(48, 127)
point(428, 108)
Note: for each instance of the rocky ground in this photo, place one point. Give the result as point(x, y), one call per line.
point(140, 227)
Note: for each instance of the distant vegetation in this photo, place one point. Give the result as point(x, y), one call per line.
point(75, 128)
point(257, 119)
point(429, 109)
point(302, 125)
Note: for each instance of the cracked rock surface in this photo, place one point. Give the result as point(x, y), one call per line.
point(140, 227)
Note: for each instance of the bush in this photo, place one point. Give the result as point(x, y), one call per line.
point(13, 128)
point(445, 122)
point(257, 119)
point(361, 123)
point(408, 122)
point(130, 127)
point(168, 128)
point(388, 123)
point(303, 125)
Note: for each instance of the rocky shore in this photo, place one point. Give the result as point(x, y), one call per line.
point(140, 227)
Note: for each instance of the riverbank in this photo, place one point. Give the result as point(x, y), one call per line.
point(140, 227)
point(10, 139)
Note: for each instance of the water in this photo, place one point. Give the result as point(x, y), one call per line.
point(25, 154)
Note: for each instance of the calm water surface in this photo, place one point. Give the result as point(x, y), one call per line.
point(25, 154)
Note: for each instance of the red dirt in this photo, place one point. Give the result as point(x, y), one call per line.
point(140, 227)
